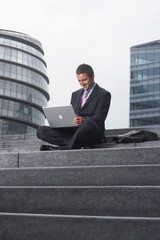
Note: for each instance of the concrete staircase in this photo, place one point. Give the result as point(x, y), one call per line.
point(111, 192)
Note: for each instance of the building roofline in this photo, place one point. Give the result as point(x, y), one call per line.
point(145, 44)
point(22, 37)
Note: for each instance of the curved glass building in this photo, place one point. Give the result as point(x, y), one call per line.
point(145, 85)
point(23, 83)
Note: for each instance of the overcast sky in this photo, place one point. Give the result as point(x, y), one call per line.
point(96, 32)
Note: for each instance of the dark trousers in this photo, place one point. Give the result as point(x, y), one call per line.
point(75, 137)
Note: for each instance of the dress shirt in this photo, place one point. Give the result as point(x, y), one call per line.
point(89, 91)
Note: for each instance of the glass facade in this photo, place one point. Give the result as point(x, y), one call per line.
point(145, 85)
point(23, 83)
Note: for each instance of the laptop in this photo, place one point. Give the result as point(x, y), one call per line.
point(60, 117)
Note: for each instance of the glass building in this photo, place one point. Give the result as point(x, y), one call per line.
point(145, 85)
point(23, 83)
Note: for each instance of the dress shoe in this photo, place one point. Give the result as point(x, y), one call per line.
point(48, 148)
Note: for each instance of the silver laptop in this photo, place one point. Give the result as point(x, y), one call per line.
point(59, 117)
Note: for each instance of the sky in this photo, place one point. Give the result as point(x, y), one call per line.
point(97, 32)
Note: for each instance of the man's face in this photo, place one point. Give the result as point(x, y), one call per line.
point(85, 81)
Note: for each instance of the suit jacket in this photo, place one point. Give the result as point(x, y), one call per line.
point(96, 107)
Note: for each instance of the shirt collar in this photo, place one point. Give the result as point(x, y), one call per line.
point(91, 89)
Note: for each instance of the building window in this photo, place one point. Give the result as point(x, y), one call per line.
point(23, 83)
point(145, 85)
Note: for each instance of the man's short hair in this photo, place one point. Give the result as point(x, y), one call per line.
point(85, 68)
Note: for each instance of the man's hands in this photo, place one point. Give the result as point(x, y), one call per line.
point(78, 120)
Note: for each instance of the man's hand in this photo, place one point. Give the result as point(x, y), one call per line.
point(78, 120)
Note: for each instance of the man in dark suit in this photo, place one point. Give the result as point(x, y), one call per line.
point(91, 105)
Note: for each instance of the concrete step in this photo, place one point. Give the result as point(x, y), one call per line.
point(107, 193)
point(112, 175)
point(132, 201)
point(34, 145)
point(108, 132)
point(124, 145)
point(23, 143)
point(61, 227)
point(83, 157)
point(9, 160)
point(91, 157)
point(5, 138)
point(20, 145)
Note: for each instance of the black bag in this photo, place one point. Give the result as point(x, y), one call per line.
point(136, 136)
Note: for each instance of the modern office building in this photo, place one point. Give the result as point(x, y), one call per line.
point(23, 83)
point(145, 85)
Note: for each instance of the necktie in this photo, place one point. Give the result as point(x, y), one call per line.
point(84, 98)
